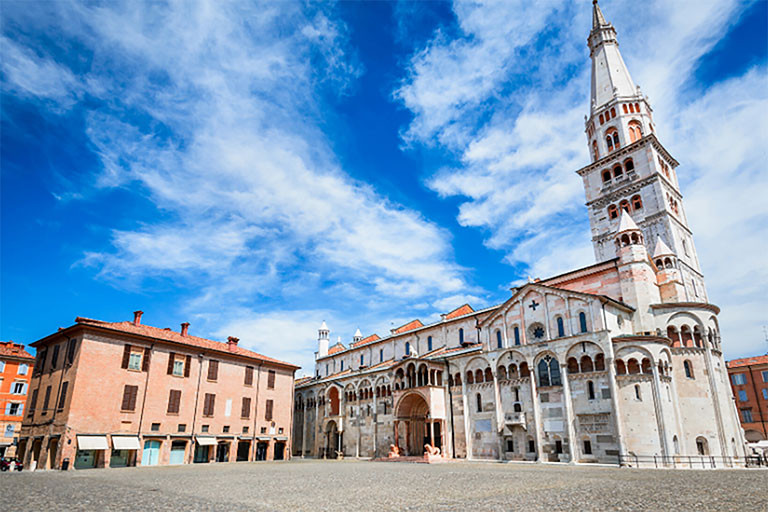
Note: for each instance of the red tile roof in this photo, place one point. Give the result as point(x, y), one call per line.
point(460, 311)
point(748, 361)
point(11, 349)
point(339, 347)
point(175, 337)
point(413, 324)
point(372, 337)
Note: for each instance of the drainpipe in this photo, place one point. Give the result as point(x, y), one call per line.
point(450, 398)
point(256, 409)
point(194, 414)
point(144, 397)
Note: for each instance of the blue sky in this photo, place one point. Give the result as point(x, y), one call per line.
point(254, 169)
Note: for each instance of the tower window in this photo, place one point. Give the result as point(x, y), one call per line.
point(590, 390)
point(629, 165)
point(617, 171)
point(407, 348)
point(612, 139)
point(606, 175)
point(479, 402)
point(602, 120)
point(461, 336)
point(625, 108)
point(362, 360)
point(381, 355)
point(429, 343)
point(624, 205)
point(613, 113)
point(594, 150)
point(688, 369)
point(637, 202)
point(635, 131)
point(613, 211)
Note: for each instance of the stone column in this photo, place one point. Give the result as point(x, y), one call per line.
point(615, 400)
point(660, 423)
point(465, 407)
point(499, 412)
point(569, 416)
point(537, 417)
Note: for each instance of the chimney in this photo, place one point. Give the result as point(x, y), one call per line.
point(184, 328)
point(137, 317)
point(232, 342)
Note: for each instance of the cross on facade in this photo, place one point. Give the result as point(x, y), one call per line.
point(534, 305)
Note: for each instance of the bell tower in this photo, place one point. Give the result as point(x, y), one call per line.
point(631, 171)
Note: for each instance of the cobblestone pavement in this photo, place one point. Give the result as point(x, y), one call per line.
point(360, 485)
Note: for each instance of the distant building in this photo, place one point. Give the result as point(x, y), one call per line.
point(620, 358)
point(15, 363)
point(749, 380)
point(110, 394)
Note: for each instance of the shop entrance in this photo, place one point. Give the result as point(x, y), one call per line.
point(261, 450)
point(222, 452)
point(243, 449)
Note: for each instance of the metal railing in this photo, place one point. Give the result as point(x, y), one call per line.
point(689, 461)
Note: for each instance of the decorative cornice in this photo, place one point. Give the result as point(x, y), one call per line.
point(687, 305)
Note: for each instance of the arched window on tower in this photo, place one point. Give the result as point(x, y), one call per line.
point(625, 108)
point(617, 171)
point(602, 119)
point(479, 400)
point(637, 202)
point(629, 165)
point(606, 176)
point(461, 336)
point(612, 139)
point(635, 131)
point(613, 113)
point(407, 348)
point(688, 367)
point(624, 205)
point(590, 390)
point(595, 152)
point(613, 211)
point(429, 343)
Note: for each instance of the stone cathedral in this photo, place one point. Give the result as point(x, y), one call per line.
point(622, 357)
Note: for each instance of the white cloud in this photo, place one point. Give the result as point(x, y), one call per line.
point(512, 113)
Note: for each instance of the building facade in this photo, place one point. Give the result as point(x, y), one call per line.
point(749, 380)
point(623, 357)
point(111, 394)
point(15, 364)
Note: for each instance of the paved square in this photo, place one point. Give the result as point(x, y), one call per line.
point(358, 485)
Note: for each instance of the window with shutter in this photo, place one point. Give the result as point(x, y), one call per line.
point(55, 357)
point(171, 360)
point(63, 396)
point(209, 404)
point(246, 408)
point(126, 356)
point(32, 404)
point(268, 410)
point(40, 361)
point(174, 401)
point(129, 398)
point(249, 375)
point(271, 379)
point(71, 346)
point(213, 370)
point(187, 365)
point(145, 363)
point(46, 400)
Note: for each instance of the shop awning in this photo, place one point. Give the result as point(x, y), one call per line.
point(260, 438)
point(92, 443)
point(280, 438)
point(206, 441)
point(125, 442)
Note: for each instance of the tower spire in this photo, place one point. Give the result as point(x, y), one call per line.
point(597, 16)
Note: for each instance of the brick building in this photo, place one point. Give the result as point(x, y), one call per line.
point(749, 380)
point(111, 394)
point(14, 383)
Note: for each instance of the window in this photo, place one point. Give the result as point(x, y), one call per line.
point(479, 400)
point(613, 211)
point(558, 446)
point(248, 376)
point(590, 390)
point(498, 339)
point(624, 205)
point(765, 375)
point(182, 427)
point(40, 360)
point(213, 370)
point(688, 369)
point(268, 410)
point(510, 445)
point(245, 429)
point(583, 322)
point(134, 362)
point(742, 396)
point(362, 360)
point(549, 372)
point(517, 335)
point(342, 365)
point(178, 368)
point(9, 429)
point(178, 365)
point(174, 401)
point(407, 348)
point(637, 392)
point(63, 396)
point(765, 393)
point(204, 429)
point(461, 336)
point(129, 398)
point(587, 447)
point(155, 427)
point(617, 171)
point(225, 429)
point(245, 409)
point(19, 388)
point(531, 446)
point(280, 430)
point(271, 376)
point(560, 327)
point(209, 404)
point(381, 355)
point(263, 430)
point(595, 152)
point(739, 379)
point(14, 409)
point(635, 131)
point(55, 357)
point(2, 367)
point(606, 176)
point(612, 139)
point(637, 202)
